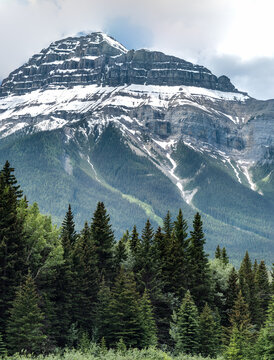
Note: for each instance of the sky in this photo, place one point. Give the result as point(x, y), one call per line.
point(230, 37)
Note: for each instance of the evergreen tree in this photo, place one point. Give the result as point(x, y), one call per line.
point(160, 300)
point(3, 350)
point(134, 240)
point(13, 261)
point(64, 283)
point(149, 332)
point(10, 180)
point(125, 320)
point(231, 294)
point(168, 226)
point(184, 328)
point(68, 234)
point(247, 286)
point(103, 238)
point(103, 318)
point(263, 291)
point(86, 280)
point(209, 340)
point(199, 276)
point(265, 343)
point(240, 315)
point(120, 252)
point(240, 339)
point(218, 253)
point(179, 245)
point(224, 256)
point(25, 326)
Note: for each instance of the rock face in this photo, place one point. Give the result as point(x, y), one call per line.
point(99, 59)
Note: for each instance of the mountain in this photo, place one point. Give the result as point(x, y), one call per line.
point(87, 120)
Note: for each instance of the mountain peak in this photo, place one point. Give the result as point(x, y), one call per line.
point(97, 58)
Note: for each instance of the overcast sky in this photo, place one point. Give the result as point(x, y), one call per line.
point(231, 37)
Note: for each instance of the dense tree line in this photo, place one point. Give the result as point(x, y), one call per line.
point(60, 288)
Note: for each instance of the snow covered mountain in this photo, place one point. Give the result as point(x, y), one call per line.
point(144, 132)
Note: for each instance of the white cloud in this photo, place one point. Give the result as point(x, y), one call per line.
point(197, 30)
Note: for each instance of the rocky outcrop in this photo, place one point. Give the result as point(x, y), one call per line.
point(99, 59)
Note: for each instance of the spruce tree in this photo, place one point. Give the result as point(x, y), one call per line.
point(3, 349)
point(68, 233)
point(224, 256)
point(263, 291)
point(209, 341)
point(125, 320)
point(103, 314)
point(231, 295)
point(218, 253)
point(240, 339)
point(247, 286)
point(25, 326)
point(13, 260)
point(103, 238)
point(10, 180)
point(199, 276)
point(149, 331)
point(179, 246)
point(134, 240)
point(86, 280)
point(168, 226)
point(184, 328)
point(120, 252)
point(265, 343)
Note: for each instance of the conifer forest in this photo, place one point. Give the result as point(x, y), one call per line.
point(152, 294)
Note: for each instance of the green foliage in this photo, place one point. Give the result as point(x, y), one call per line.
point(13, 259)
point(265, 343)
point(3, 349)
point(199, 277)
point(25, 326)
point(209, 337)
point(149, 331)
point(184, 328)
point(103, 238)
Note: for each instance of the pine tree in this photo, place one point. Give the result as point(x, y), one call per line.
point(149, 332)
point(103, 238)
point(25, 326)
point(199, 276)
point(184, 328)
point(263, 291)
point(265, 343)
point(13, 260)
point(218, 253)
point(209, 341)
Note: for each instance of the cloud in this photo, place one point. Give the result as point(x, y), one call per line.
point(255, 76)
point(196, 30)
